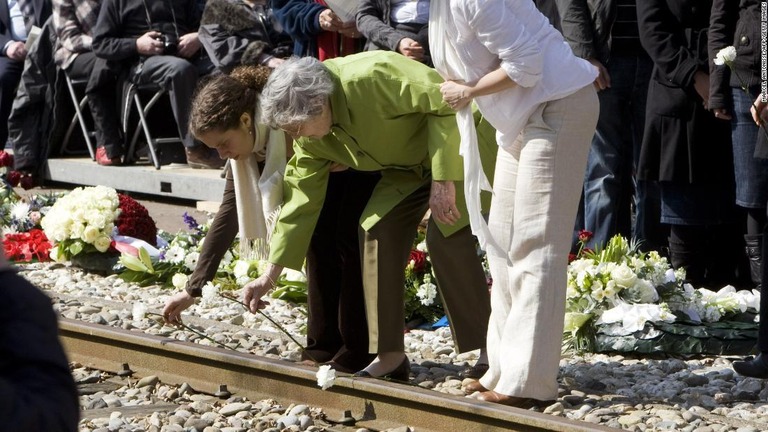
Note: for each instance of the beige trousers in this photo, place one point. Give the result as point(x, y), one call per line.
point(537, 185)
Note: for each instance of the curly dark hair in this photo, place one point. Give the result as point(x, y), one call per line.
point(220, 100)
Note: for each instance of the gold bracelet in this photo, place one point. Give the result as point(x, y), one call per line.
point(274, 285)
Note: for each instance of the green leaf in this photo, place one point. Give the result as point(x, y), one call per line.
point(146, 259)
point(133, 263)
point(76, 247)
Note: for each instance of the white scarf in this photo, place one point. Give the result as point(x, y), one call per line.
point(442, 36)
point(260, 191)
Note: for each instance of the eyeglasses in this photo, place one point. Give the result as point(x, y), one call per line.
point(293, 130)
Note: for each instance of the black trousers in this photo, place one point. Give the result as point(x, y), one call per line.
point(337, 328)
point(10, 75)
point(762, 335)
point(177, 75)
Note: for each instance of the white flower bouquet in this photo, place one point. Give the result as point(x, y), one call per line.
point(81, 221)
point(618, 290)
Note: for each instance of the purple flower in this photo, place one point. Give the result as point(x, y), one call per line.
point(190, 221)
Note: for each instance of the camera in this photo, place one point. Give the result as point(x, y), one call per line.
point(170, 44)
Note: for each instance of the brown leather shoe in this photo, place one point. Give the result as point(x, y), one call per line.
point(518, 402)
point(474, 386)
point(203, 157)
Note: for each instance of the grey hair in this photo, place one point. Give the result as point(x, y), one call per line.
point(295, 92)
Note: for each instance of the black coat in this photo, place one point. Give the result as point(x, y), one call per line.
point(683, 142)
point(37, 392)
point(42, 108)
point(736, 24)
point(234, 33)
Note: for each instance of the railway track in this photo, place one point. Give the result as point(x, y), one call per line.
point(375, 404)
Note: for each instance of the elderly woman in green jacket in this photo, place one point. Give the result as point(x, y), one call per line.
point(379, 111)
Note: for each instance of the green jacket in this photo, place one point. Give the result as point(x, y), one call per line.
point(388, 116)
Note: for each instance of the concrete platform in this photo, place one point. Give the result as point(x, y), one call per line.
point(173, 181)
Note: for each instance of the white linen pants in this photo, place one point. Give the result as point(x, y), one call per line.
point(537, 185)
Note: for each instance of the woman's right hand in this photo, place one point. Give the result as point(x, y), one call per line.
point(758, 110)
point(175, 305)
point(411, 49)
point(701, 85)
point(329, 21)
point(254, 290)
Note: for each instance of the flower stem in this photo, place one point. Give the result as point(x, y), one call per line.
point(303, 349)
point(186, 327)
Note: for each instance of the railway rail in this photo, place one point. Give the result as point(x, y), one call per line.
point(374, 404)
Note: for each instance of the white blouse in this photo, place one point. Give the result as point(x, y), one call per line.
point(470, 38)
point(513, 34)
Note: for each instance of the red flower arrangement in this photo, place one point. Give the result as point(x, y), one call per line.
point(28, 246)
point(134, 220)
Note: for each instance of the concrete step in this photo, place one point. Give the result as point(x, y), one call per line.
point(172, 181)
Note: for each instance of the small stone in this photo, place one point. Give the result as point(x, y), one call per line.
point(234, 408)
point(305, 421)
point(630, 420)
point(299, 410)
point(147, 381)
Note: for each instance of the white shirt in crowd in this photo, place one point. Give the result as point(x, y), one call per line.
point(409, 11)
point(18, 29)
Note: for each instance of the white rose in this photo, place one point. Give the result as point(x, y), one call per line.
point(102, 243)
point(725, 55)
point(624, 276)
point(90, 234)
point(76, 230)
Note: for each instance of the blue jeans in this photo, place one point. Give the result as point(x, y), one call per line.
point(609, 182)
point(751, 172)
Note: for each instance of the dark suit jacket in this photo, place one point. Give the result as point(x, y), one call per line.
point(42, 10)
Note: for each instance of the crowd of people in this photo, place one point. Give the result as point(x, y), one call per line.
point(619, 115)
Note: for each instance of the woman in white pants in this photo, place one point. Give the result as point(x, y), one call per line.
point(504, 55)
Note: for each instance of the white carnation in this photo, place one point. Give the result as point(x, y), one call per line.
point(139, 311)
point(725, 56)
point(326, 375)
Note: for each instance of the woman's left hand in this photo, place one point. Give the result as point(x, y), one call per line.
point(442, 202)
point(456, 94)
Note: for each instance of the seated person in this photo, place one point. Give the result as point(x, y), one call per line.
point(396, 25)
point(154, 42)
point(15, 22)
point(241, 32)
point(316, 30)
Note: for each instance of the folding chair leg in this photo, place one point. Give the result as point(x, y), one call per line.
point(79, 106)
